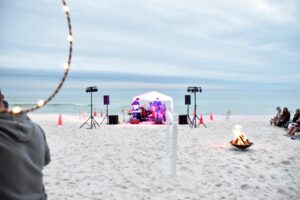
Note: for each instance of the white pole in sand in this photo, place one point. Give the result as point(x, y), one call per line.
point(168, 142)
point(174, 144)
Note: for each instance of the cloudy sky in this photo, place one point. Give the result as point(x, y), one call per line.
point(219, 44)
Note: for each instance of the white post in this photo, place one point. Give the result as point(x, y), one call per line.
point(168, 121)
point(174, 145)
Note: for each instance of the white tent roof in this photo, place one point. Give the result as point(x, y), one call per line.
point(151, 96)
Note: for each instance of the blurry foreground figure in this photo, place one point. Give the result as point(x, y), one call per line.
point(23, 154)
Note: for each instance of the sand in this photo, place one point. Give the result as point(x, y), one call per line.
point(130, 161)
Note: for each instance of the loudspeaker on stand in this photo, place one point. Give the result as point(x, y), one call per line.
point(106, 99)
point(187, 99)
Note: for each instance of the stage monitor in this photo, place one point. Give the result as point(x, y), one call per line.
point(113, 119)
point(183, 119)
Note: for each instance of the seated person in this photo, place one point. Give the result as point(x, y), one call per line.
point(293, 122)
point(296, 116)
point(283, 118)
point(275, 119)
point(294, 129)
point(143, 113)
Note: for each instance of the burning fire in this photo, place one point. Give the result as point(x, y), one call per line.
point(239, 137)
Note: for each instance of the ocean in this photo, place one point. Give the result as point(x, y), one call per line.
point(25, 87)
point(75, 100)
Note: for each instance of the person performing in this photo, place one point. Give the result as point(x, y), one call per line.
point(135, 106)
point(151, 111)
point(157, 105)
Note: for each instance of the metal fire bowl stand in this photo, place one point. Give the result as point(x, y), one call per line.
point(241, 146)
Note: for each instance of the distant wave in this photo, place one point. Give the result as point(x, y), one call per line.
point(51, 104)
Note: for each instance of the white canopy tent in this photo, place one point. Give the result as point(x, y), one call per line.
point(151, 96)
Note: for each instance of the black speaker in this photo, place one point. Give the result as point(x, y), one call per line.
point(183, 119)
point(106, 99)
point(187, 99)
point(113, 119)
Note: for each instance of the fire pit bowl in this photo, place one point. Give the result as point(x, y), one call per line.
point(241, 146)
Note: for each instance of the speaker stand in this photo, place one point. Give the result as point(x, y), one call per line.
point(188, 114)
point(193, 122)
point(106, 116)
point(93, 121)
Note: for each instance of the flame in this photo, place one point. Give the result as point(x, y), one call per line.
point(239, 136)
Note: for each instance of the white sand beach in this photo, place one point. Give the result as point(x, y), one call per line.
point(130, 161)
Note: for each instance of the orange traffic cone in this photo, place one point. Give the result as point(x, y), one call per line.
point(95, 114)
point(211, 116)
point(59, 120)
point(201, 119)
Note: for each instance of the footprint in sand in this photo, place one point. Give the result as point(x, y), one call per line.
point(121, 186)
point(291, 158)
point(273, 177)
point(245, 187)
point(286, 162)
point(227, 183)
point(281, 191)
point(253, 159)
point(247, 166)
point(185, 169)
point(219, 185)
point(159, 189)
point(262, 177)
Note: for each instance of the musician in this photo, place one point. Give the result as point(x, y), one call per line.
point(163, 112)
point(135, 106)
point(157, 105)
point(143, 114)
point(151, 111)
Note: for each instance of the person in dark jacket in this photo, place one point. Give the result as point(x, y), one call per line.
point(23, 154)
point(284, 118)
point(293, 122)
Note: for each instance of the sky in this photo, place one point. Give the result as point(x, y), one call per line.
point(215, 44)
